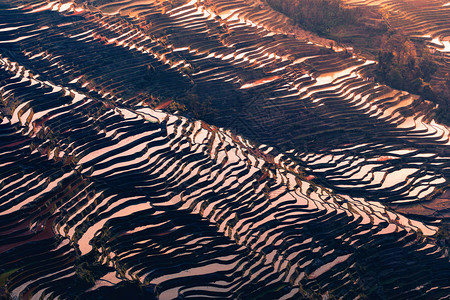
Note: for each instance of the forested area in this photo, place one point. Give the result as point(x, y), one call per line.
point(332, 19)
point(405, 66)
point(409, 66)
point(316, 15)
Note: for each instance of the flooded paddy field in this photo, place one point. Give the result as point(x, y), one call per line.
point(194, 149)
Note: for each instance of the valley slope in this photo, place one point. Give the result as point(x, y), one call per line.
point(194, 149)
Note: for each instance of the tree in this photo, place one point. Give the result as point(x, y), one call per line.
point(416, 86)
point(395, 78)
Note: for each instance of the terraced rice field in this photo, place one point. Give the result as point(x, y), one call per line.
point(293, 185)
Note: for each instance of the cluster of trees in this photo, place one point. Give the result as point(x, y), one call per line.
point(442, 92)
point(336, 21)
point(316, 15)
point(406, 66)
point(410, 66)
